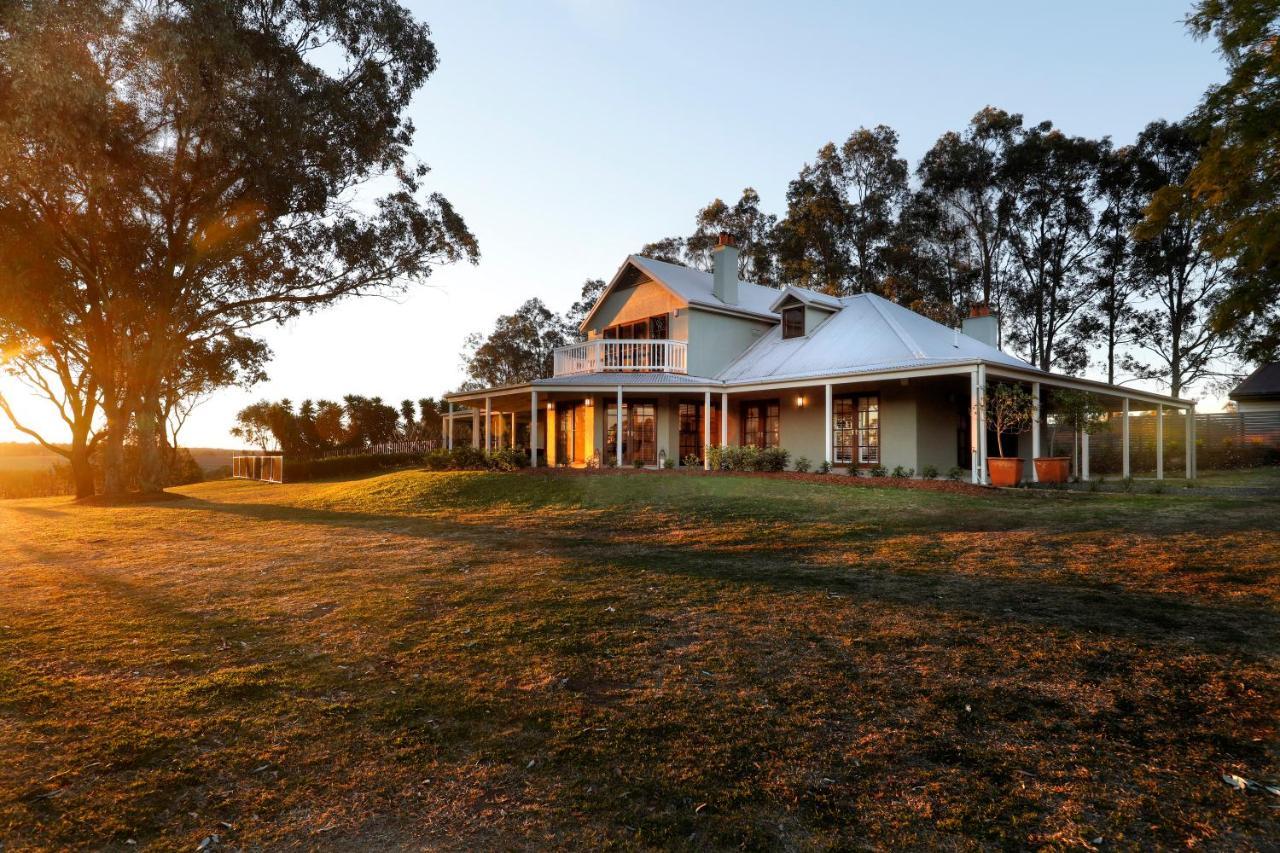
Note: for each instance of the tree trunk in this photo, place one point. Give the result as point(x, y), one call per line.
point(81, 471)
point(114, 475)
point(151, 454)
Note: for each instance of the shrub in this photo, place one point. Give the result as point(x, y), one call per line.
point(954, 473)
point(637, 463)
point(608, 460)
point(771, 459)
point(691, 461)
point(715, 457)
point(824, 467)
point(506, 459)
point(852, 470)
point(900, 473)
point(1127, 484)
point(929, 472)
point(669, 463)
point(880, 471)
point(338, 466)
point(803, 465)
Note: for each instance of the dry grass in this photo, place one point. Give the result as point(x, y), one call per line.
point(475, 660)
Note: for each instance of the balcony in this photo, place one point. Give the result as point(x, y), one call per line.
point(610, 356)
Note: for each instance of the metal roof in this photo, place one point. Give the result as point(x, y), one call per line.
point(1262, 383)
point(626, 377)
point(868, 333)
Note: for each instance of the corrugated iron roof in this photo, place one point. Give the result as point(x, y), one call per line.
point(867, 333)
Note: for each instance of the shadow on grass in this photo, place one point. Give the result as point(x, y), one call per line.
point(1084, 607)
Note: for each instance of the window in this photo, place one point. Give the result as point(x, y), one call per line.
point(650, 328)
point(691, 423)
point(855, 429)
point(639, 433)
point(793, 322)
point(760, 423)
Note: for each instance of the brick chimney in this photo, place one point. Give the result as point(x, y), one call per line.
point(982, 325)
point(724, 269)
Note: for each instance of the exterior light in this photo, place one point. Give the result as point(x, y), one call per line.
point(801, 401)
point(662, 458)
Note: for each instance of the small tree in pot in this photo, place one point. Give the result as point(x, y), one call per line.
point(1009, 411)
point(1078, 411)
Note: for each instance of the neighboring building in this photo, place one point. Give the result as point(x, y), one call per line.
point(1260, 392)
point(693, 359)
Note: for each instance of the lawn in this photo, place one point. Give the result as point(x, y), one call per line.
point(467, 660)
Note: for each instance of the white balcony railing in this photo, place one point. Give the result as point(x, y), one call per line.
point(606, 356)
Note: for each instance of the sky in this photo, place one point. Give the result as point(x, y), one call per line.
point(570, 133)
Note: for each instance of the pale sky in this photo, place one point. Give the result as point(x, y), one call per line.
point(570, 133)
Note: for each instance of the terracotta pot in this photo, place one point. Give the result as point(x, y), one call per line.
point(1053, 469)
point(1004, 470)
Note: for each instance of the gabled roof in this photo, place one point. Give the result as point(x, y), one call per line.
point(868, 333)
point(805, 296)
point(1262, 383)
point(693, 287)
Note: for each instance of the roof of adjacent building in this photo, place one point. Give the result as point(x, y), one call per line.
point(1262, 383)
point(868, 333)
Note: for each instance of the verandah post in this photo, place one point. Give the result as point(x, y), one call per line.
point(975, 468)
point(1160, 441)
point(618, 430)
point(706, 431)
point(724, 418)
point(1035, 429)
point(533, 429)
point(828, 453)
point(1124, 438)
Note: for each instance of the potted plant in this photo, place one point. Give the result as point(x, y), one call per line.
point(1009, 411)
point(1079, 411)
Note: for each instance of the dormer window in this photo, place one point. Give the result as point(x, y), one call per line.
point(793, 322)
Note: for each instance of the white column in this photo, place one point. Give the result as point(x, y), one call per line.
point(511, 439)
point(706, 432)
point(982, 424)
point(475, 426)
point(552, 461)
point(449, 435)
point(533, 428)
point(1084, 454)
point(1160, 441)
point(1124, 439)
point(1191, 442)
point(724, 419)
point(1035, 429)
point(828, 449)
point(975, 403)
point(618, 431)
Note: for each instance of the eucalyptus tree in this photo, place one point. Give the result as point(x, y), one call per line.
point(752, 229)
point(1235, 183)
point(961, 176)
point(519, 349)
point(1115, 284)
point(1048, 186)
point(199, 169)
point(1181, 278)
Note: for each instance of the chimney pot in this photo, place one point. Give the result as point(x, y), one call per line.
point(979, 309)
point(726, 239)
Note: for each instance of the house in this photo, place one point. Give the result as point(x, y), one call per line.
point(1260, 391)
point(674, 360)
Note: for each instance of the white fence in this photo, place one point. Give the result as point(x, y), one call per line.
point(269, 469)
point(604, 356)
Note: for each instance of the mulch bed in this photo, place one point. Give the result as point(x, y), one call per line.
point(836, 479)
